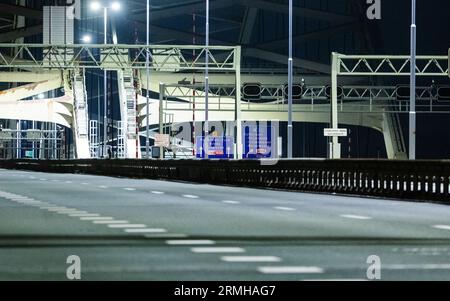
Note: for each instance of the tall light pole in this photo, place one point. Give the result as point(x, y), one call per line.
point(412, 102)
point(147, 64)
point(96, 6)
point(290, 75)
point(206, 142)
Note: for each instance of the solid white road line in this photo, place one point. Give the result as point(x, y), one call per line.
point(290, 270)
point(250, 259)
point(110, 222)
point(217, 250)
point(96, 218)
point(284, 208)
point(191, 242)
point(360, 217)
point(121, 226)
point(442, 227)
point(145, 230)
point(190, 196)
point(231, 202)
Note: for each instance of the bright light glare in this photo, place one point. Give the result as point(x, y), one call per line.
point(115, 6)
point(41, 96)
point(95, 5)
point(86, 39)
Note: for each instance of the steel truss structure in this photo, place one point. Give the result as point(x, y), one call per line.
point(374, 65)
point(119, 57)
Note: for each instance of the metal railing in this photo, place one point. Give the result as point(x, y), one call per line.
point(416, 180)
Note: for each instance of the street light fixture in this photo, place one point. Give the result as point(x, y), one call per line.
point(412, 93)
point(96, 6)
point(86, 39)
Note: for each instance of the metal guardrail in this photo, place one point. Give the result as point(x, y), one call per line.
point(418, 180)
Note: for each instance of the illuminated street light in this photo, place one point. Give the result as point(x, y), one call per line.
point(95, 5)
point(86, 39)
point(115, 6)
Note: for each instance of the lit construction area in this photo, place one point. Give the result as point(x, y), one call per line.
point(224, 140)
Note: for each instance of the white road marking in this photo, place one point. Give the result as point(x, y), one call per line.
point(250, 258)
point(130, 189)
point(83, 214)
point(190, 242)
point(361, 217)
point(43, 179)
point(336, 280)
point(190, 196)
point(103, 187)
point(285, 208)
point(68, 182)
point(290, 270)
point(145, 230)
point(231, 202)
point(110, 222)
point(157, 192)
point(84, 183)
point(217, 250)
point(96, 218)
point(73, 212)
point(442, 227)
point(165, 235)
point(121, 226)
point(437, 266)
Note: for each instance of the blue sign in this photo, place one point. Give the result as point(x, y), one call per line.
point(217, 147)
point(258, 142)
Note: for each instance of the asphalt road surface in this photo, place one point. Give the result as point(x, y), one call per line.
point(128, 229)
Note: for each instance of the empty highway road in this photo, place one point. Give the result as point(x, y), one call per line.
point(129, 229)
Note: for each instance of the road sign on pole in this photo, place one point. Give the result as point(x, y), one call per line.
point(335, 132)
point(162, 140)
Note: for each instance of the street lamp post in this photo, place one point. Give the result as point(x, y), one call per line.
point(412, 102)
point(147, 63)
point(290, 75)
point(95, 6)
point(206, 141)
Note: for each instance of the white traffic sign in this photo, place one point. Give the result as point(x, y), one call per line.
point(335, 132)
point(162, 140)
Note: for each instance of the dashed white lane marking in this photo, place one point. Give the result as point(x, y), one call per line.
point(157, 192)
point(110, 222)
point(96, 218)
point(361, 217)
point(217, 250)
point(250, 258)
point(291, 270)
point(442, 227)
point(284, 208)
point(103, 187)
point(190, 242)
point(122, 226)
point(231, 202)
point(68, 182)
point(84, 183)
point(43, 179)
point(437, 266)
point(83, 214)
point(130, 189)
point(72, 212)
point(190, 196)
point(337, 280)
point(165, 235)
point(145, 230)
